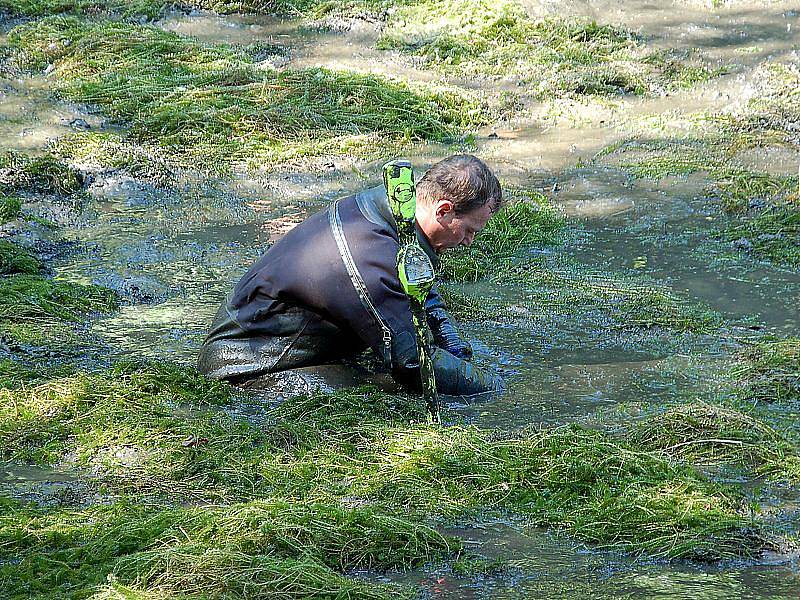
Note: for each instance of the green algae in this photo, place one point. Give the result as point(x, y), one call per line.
point(562, 57)
point(260, 549)
point(44, 174)
point(709, 434)
point(521, 225)
point(9, 208)
point(14, 259)
point(364, 449)
point(769, 370)
point(214, 102)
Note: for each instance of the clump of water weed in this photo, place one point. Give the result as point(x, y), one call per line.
point(214, 102)
point(39, 312)
point(14, 259)
point(706, 434)
point(765, 216)
point(505, 253)
point(769, 370)
point(32, 297)
point(150, 9)
point(38, 174)
point(562, 57)
point(102, 150)
point(261, 549)
point(153, 9)
point(9, 208)
point(365, 449)
point(524, 223)
point(771, 116)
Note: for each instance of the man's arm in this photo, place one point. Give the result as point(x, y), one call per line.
point(445, 334)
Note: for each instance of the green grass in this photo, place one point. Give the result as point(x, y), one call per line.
point(364, 449)
point(38, 174)
point(561, 57)
point(522, 224)
point(14, 259)
point(769, 371)
point(707, 434)
point(213, 102)
point(9, 208)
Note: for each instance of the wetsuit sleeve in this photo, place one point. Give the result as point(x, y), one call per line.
point(443, 328)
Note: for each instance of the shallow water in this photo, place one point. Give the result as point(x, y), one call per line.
point(173, 254)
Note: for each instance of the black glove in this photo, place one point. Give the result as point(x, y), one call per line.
point(455, 377)
point(445, 335)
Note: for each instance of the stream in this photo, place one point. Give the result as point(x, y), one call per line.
point(173, 254)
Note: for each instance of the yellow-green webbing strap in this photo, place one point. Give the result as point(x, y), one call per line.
point(398, 178)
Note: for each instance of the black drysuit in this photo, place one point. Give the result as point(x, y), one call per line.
point(327, 290)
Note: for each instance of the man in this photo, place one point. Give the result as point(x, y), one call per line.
point(329, 288)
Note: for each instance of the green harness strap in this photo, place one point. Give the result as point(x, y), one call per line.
point(414, 269)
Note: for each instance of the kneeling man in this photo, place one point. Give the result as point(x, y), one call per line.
point(330, 288)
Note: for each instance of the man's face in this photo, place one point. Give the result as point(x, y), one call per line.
point(460, 230)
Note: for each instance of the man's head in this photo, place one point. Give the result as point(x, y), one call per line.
point(455, 199)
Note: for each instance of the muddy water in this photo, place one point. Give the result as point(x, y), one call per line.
point(174, 254)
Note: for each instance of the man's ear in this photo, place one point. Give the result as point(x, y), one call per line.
point(444, 208)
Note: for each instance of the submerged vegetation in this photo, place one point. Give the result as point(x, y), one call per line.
point(762, 210)
point(37, 174)
point(561, 57)
point(187, 489)
point(9, 208)
point(214, 102)
point(364, 449)
point(152, 9)
point(706, 434)
point(526, 222)
point(769, 370)
point(513, 251)
point(34, 309)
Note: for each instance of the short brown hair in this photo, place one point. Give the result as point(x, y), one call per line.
point(463, 179)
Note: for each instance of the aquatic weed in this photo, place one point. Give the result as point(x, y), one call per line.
point(524, 223)
point(9, 208)
point(769, 370)
point(561, 56)
point(14, 259)
point(44, 174)
point(263, 549)
point(213, 101)
point(365, 449)
point(709, 434)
